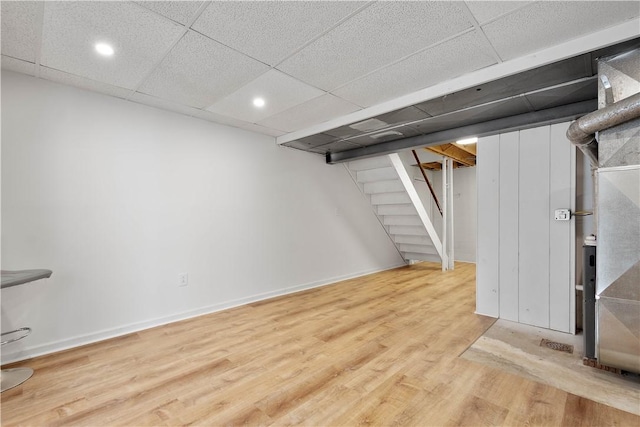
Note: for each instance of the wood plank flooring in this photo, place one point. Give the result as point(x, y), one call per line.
point(515, 348)
point(377, 350)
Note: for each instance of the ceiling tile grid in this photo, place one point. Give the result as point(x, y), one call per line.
point(199, 71)
point(179, 11)
point(312, 61)
point(13, 64)
point(279, 91)
point(377, 36)
point(485, 11)
point(83, 83)
point(447, 60)
point(271, 31)
point(226, 120)
point(314, 111)
point(544, 24)
point(163, 104)
point(20, 28)
point(141, 38)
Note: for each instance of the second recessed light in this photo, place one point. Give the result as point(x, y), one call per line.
point(258, 102)
point(104, 49)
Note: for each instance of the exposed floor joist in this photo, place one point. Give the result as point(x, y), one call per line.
point(455, 152)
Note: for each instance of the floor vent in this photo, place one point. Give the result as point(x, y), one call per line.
point(556, 346)
point(594, 364)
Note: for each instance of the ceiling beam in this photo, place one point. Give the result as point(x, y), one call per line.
point(454, 152)
point(574, 47)
point(492, 127)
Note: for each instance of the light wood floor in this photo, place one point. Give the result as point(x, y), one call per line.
point(377, 350)
point(516, 348)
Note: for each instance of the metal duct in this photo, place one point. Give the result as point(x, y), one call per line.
point(618, 211)
point(582, 131)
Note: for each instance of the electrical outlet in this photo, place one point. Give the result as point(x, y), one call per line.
point(183, 279)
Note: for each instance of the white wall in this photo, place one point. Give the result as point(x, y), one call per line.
point(464, 211)
point(526, 258)
point(118, 199)
point(464, 202)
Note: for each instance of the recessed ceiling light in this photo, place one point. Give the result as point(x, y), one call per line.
point(258, 102)
point(104, 49)
point(467, 141)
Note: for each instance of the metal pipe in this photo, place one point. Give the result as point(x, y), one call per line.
point(582, 131)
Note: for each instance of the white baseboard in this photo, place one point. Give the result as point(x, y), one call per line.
point(61, 345)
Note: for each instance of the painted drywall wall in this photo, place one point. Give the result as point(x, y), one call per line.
point(526, 259)
point(464, 202)
point(119, 199)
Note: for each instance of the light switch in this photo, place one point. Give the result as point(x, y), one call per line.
point(563, 214)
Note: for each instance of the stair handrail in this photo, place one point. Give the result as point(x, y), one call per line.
point(424, 175)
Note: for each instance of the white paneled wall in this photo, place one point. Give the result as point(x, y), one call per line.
point(533, 228)
point(525, 269)
point(508, 270)
point(561, 255)
point(487, 181)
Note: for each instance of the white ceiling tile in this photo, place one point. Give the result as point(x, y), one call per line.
point(24, 67)
point(485, 11)
point(544, 24)
point(230, 121)
point(199, 71)
point(163, 104)
point(375, 37)
point(20, 27)
point(270, 30)
point(450, 59)
point(139, 37)
point(179, 11)
point(280, 92)
point(317, 110)
point(262, 129)
point(83, 83)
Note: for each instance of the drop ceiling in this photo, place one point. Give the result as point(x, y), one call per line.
point(312, 61)
point(557, 92)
